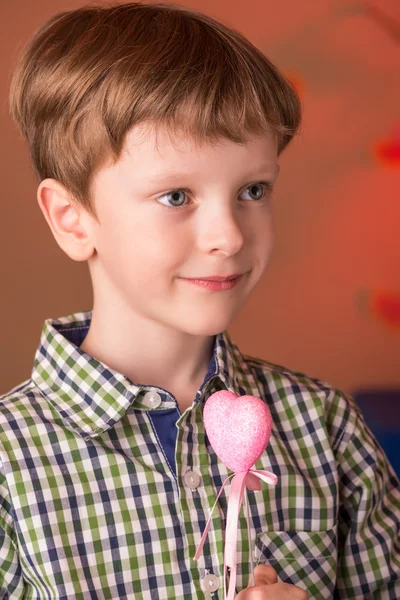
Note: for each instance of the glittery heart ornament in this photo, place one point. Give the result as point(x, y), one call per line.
point(238, 428)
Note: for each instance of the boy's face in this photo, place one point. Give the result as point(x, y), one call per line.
point(218, 222)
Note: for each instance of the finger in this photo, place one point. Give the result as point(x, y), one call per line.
point(265, 575)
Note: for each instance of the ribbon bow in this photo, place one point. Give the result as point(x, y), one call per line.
point(241, 481)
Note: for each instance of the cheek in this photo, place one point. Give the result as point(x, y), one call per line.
point(140, 253)
point(269, 241)
point(263, 237)
point(164, 245)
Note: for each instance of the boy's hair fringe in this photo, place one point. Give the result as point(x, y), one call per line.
point(88, 75)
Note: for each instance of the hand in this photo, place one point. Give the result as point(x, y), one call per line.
point(267, 587)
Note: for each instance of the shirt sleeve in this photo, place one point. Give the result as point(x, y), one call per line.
point(12, 585)
point(369, 516)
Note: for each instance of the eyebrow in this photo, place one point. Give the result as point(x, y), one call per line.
point(171, 175)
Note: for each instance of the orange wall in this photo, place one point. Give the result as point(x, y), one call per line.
point(337, 205)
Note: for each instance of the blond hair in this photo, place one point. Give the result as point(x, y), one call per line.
point(88, 75)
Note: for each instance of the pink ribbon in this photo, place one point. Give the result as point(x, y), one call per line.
point(240, 481)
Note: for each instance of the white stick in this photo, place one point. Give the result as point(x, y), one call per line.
point(246, 502)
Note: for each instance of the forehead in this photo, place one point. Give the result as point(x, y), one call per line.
point(168, 146)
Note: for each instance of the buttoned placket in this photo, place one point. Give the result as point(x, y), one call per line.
point(195, 499)
point(189, 479)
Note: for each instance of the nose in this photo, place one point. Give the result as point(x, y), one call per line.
point(221, 231)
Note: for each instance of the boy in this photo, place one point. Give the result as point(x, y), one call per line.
point(155, 133)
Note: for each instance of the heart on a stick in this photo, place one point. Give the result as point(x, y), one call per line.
point(238, 427)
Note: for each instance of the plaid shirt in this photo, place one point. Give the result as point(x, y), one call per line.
point(91, 507)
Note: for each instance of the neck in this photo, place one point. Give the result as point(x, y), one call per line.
point(148, 352)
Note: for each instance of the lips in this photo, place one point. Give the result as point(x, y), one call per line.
point(211, 285)
point(216, 278)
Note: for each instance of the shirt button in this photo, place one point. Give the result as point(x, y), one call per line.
point(192, 479)
point(210, 583)
point(152, 399)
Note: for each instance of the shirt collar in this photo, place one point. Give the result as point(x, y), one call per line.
point(89, 396)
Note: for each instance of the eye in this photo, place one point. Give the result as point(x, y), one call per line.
point(177, 197)
point(259, 190)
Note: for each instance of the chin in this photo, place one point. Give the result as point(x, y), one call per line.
point(206, 328)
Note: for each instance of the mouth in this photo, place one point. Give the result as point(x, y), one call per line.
point(216, 277)
point(216, 284)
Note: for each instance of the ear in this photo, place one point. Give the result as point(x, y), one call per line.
point(69, 222)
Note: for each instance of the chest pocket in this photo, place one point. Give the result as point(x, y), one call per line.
point(307, 559)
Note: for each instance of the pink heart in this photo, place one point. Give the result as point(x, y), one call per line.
point(238, 427)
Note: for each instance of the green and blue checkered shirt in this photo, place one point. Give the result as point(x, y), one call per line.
point(92, 506)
